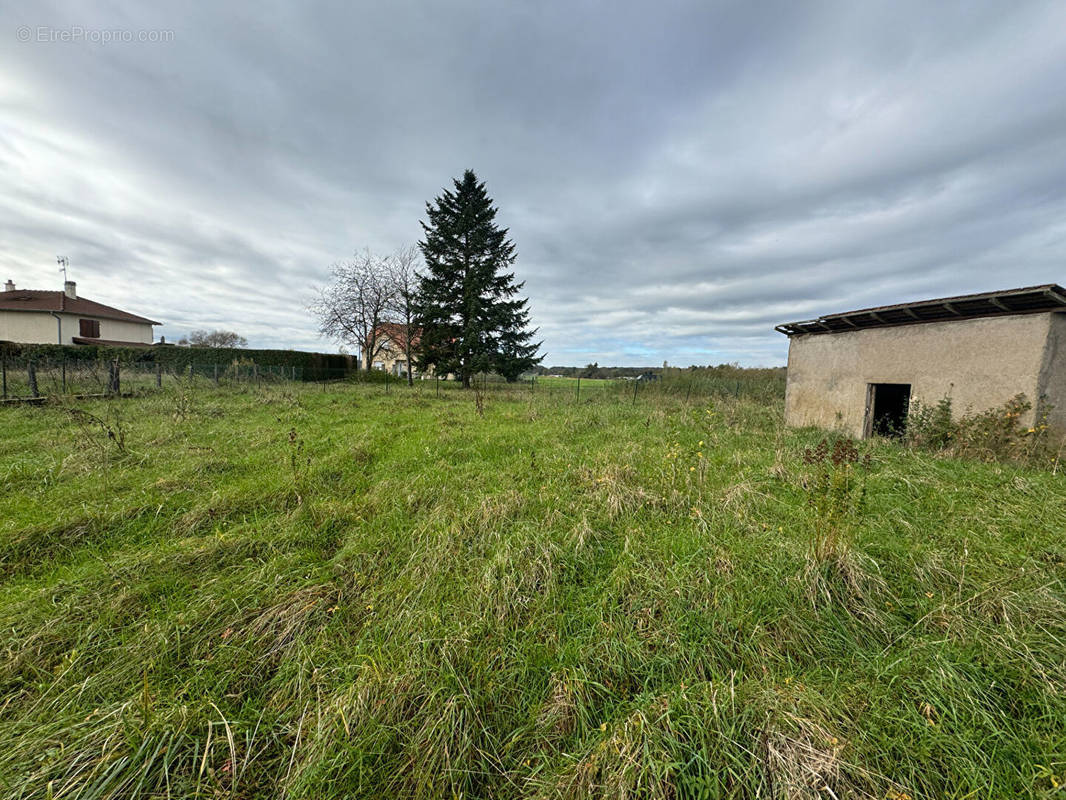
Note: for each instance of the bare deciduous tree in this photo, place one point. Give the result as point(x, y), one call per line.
point(205, 338)
point(361, 296)
point(404, 268)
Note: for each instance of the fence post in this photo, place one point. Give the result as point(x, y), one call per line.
point(63, 368)
point(159, 375)
point(216, 374)
point(386, 381)
point(3, 370)
point(31, 371)
point(437, 379)
point(112, 378)
point(636, 383)
point(579, 390)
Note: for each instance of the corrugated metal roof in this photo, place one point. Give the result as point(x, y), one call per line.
point(1027, 300)
point(40, 300)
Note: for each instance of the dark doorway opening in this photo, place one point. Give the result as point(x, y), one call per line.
point(888, 408)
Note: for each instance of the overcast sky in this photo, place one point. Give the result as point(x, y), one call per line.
point(678, 177)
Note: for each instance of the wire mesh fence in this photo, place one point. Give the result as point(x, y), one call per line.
point(763, 386)
point(39, 379)
point(760, 385)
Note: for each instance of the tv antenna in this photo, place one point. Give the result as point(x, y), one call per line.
point(63, 262)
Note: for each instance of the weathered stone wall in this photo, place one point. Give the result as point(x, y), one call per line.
point(1053, 374)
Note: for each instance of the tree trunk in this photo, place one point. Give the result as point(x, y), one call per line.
point(371, 346)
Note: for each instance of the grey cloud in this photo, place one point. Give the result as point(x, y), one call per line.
point(678, 178)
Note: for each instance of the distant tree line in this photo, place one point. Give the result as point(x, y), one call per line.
point(594, 370)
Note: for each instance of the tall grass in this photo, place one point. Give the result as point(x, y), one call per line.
point(298, 592)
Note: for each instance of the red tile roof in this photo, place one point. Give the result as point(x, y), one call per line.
point(39, 300)
point(397, 332)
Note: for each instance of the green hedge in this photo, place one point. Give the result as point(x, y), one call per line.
point(312, 366)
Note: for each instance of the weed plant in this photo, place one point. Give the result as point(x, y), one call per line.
point(1004, 433)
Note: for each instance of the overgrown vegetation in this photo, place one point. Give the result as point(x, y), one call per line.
point(1005, 433)
point(307, 592)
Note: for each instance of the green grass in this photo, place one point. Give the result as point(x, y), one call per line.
point(298, 592)
point(569, 383)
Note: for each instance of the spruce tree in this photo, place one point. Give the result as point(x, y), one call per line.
point(467, 306)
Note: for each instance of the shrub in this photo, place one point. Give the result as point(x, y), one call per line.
point(997, 434)
point(930, 427)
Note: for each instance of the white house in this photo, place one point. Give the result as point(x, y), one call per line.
point(32, 316)
point(391, 346)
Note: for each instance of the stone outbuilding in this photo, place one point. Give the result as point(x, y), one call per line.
point(858, 371)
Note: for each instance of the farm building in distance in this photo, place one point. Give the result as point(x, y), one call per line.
point(858, 371)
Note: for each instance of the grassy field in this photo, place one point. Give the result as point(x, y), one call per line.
point(291, 591)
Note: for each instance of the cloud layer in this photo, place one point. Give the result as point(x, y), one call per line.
point(678, 178)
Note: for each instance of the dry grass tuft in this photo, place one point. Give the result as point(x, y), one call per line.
point(517, 578)
point(846, 579)
point(279, 626)
point(618, 488)
point(558, 714)
point(803, 760)
point(631, 761)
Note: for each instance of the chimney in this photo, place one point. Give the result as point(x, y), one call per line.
point(70, 289)
point(9, 286)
